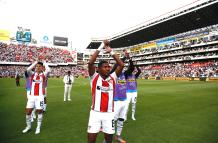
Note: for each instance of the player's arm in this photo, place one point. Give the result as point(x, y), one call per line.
point(47, 69)
point(29, 69)
point(138, 71)
point(119, 62)
point(130, 68)
point(115, 66)
point(91, 67)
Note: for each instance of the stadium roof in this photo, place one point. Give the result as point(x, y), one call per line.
point(202, 15)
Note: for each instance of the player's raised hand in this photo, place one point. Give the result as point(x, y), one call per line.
point(106, 42)
point(107, 49)
point(39, 58)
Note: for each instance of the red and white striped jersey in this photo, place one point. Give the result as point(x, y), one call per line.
point(103, 92)
point(38, 84)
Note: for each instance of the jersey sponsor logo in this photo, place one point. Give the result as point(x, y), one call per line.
point(120, 81)
point(104, 89)
point(131, 80)
point(37, 81)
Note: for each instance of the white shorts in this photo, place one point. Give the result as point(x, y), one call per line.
point(27, 93)
point(120, 109)
point(131, 97)
point(35, 102)
point(103, 121)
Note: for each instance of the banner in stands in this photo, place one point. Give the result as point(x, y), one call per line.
point(60, 41)
point(23, 35)
point(192, 34)
point(136, 48)
point(45, 40)
point(166, 41)
point(4, 35)
point(150, 45)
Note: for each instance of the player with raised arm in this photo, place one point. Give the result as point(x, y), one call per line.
point(28, 89)
point(132, 90)
point(120, 98)
point(36, 95)
point(102, 89)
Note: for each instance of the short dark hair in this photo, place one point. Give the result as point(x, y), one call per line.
point(69, 72)
point(40, 63)
point(101, 63)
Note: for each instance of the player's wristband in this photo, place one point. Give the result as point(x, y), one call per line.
point(112, 53)
point(101, 47)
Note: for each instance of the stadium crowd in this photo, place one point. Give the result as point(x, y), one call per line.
point(177, 48)
point(27, 54)
point(56, 71)
point(185, 58)
point(24, 53)
point(186, 69)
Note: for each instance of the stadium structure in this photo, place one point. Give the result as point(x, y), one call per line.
point(180, 45)
point(184, 44)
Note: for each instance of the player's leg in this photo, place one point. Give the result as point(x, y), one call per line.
point(118, 137)
point(108, 126)
point(28, 120)
point(134, 100)
point(39, 109)
point(33, 114)
point(69, 93)
point(108, 138)
point(65, 91)
point(94, 126)
point(92, 137)
point(39, 121)
point(45, 104)
point(45, 101)
point(29, 108)
point(120, 121)
point(117, 111)
point(128, 100)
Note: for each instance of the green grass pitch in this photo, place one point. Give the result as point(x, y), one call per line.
point(167, 112)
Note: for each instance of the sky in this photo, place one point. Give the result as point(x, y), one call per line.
point(82, 20)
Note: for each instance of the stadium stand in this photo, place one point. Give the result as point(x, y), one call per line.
point(189, 57)
point(17, 57)
point(184, 44)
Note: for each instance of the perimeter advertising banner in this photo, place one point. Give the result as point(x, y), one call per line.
point(60, 41)
point(4, 35)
